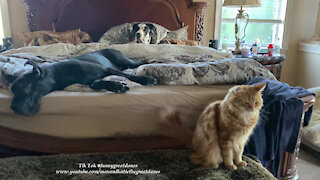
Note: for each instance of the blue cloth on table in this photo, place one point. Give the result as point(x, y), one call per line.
point(278, 128)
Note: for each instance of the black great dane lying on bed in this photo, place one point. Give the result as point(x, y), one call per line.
point(87, 69)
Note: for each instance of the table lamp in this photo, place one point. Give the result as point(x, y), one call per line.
point(242, 18)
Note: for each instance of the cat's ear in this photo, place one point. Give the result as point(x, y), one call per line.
point(238, 89)
point(260, 87)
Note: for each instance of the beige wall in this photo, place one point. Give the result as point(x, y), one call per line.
point(301, 22)
point(18, 20)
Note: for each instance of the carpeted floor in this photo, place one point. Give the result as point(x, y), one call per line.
point(308, 165)
point(167, 164)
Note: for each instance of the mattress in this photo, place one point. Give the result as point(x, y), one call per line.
point(101, 114)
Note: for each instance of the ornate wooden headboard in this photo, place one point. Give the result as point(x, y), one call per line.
point(97, 16)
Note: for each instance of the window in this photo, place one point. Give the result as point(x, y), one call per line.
point(4, 21)
point(1, 28)
point(266, 23)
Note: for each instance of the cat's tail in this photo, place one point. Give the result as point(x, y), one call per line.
point(171, 126)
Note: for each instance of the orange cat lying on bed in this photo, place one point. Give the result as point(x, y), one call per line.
point(222, 129)
point(40, 38)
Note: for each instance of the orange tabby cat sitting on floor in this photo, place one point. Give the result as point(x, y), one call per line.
point(222, 129)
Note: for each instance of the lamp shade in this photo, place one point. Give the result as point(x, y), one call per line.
point(244, 3)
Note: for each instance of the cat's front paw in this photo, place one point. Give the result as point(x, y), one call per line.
point(195, 159)
point(232, 167)
point(242, 164)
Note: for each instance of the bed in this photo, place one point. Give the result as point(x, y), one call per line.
point(62, 125)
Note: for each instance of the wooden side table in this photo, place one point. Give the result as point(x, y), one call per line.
point(273, 63)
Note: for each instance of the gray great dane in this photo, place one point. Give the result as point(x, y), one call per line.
point(88, 69)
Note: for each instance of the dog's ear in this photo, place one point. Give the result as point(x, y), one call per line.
point(37, 71)
point(153, 33)
point(151, 26)
point(135, 27)
point(132, 31)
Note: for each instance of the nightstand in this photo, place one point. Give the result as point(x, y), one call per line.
point(273, 63)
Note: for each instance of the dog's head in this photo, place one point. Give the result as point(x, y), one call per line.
point(27, 92)
point(143, 33)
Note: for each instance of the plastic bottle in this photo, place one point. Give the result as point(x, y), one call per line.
point(224, 44)
point(277, 46)
point(254, 49)
point(243, 44)
point(258, 44)
point(270, 50)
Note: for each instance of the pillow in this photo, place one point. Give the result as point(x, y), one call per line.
point(39, 38)
point(121, 34)
point(161, 32)
point(181, 33)
point(117, 35)
point(180, 42)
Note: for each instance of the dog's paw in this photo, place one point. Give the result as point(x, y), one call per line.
point(119, 88)
point(116, 87)
point(148, 80)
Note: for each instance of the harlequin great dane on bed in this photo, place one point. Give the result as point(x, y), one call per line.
point(87, 69)
point(144, 33)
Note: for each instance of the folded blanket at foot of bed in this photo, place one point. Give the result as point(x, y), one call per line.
point(172, 164)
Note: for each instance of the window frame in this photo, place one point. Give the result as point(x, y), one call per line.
point(286, 23)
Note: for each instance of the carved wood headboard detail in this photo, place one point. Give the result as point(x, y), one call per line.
point(97, 16)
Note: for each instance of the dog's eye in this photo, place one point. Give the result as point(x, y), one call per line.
point(146, 29)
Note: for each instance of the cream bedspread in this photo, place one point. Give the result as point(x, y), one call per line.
point(99, 114)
